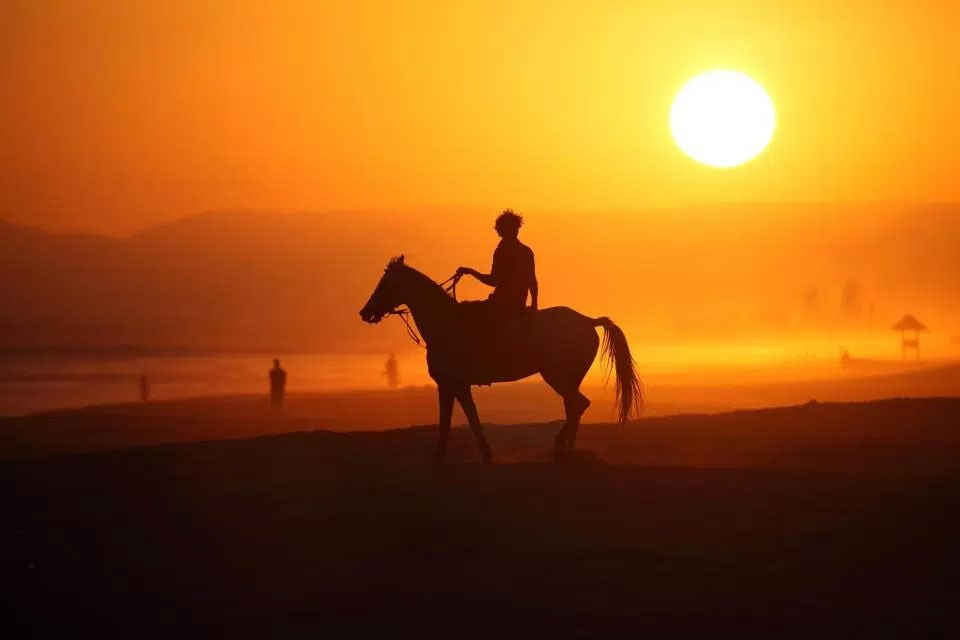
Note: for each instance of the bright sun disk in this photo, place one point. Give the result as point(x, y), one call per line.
point(722, 118)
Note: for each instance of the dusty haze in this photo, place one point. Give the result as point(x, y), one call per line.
point(718, 285)
point(407, 125)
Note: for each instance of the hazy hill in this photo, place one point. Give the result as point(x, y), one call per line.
point(296, 281)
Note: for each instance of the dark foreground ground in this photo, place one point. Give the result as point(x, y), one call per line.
point(845, 526)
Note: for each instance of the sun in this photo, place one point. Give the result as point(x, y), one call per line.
point(722, 118)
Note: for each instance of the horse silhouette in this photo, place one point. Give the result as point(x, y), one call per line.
point(466, 345)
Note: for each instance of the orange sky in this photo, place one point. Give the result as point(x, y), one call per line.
point(115, 115)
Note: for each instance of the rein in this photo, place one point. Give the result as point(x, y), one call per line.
point(404, 314)
point(451, 289)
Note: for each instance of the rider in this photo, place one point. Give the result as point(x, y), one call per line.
point(513, 273)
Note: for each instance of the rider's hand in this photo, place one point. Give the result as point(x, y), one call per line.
point(462, 271)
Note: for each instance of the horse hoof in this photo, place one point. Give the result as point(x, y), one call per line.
point(487, 455)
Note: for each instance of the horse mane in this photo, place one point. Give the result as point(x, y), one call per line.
point(397, 262)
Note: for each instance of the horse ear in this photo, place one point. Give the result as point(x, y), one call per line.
point(400, 259)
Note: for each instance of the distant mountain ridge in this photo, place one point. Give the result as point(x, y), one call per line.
point(294, 282)
point(219, 281)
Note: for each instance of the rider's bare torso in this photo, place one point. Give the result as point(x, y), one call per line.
point(513, 273)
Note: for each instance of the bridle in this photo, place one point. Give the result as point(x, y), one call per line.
point(449, 287)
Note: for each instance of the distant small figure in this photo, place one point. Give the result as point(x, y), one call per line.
point(144, 389)
point(811, 302)
point(845, 359)
point(851, 300)
point(392, 372)
point(278, 385)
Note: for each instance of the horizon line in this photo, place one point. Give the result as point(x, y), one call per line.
point(413, 209)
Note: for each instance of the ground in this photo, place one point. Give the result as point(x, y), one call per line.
point(822, 519)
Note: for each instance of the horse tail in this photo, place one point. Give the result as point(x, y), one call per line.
point(616, 354)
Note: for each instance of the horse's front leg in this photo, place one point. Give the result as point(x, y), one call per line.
point(446, 394)
point(465, 397)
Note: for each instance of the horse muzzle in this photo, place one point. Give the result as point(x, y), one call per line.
point(368, 315)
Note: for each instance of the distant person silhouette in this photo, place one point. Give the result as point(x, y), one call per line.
point(845, 359)
point(513, 273)
point(278, 385)
point(392, 372)
point(144, 389)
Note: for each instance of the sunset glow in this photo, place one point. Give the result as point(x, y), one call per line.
point(118, 116)
point(245, 171)
point(519, 317)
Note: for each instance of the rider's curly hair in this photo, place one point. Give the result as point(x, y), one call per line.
point(509, 223)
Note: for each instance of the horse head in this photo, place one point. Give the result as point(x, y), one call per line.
point(388, 295)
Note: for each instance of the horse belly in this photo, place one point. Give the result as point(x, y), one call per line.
point(552, 337)
point(482, 363)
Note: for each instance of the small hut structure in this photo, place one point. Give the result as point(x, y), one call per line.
point(909, 328)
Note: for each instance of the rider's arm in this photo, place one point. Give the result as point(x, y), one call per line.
point(491, 279)
point(488, 279)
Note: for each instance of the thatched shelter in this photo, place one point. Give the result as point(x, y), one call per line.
point(909, 328)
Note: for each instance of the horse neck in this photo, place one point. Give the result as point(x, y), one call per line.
point(429, 305)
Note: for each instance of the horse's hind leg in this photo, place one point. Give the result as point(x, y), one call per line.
point(574, 404)
point(465, 396)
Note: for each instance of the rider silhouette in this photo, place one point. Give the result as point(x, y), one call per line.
point(513, 273)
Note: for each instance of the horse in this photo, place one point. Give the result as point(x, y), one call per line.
point(558, 343)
